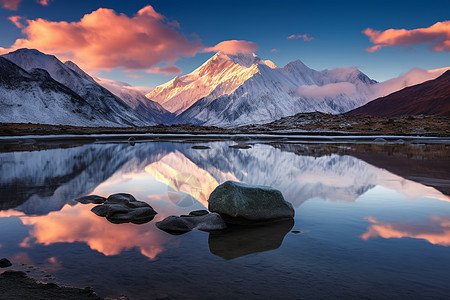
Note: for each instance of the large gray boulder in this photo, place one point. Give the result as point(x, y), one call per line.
point(195, 220)
point(241, 203)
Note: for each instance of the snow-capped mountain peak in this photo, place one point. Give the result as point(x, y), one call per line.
point(218, 76)
point(74, 67)
point(232, 90)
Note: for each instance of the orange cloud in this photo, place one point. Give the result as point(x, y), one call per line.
point(305, 37)
point(170, 70)
point(436, 231)
point(16, 21)
point(10, 4)
point(438, 35)
point(105, 40)
point(233, 47)
point(79, 224)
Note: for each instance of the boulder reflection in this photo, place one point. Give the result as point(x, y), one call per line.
point(236, 241)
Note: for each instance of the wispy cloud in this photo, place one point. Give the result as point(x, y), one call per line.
point(14, 4)
point(274, 50)
point(169, 70)
point(438, 35)
point(412, 77)
point(233, 47)
point(16, 20)
point(327, 90)
point(103, 40)
point(305, 37)
point(11, 4)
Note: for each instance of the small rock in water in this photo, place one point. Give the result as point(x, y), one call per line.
point(4, 263)
point(108, 210)
point(132, 141)
point(296, 231)
point(174, 225)
point(120, 198)
point(199, 212)
point(240, 203)
point(380, 140)
point(240, 146)
point(182, 224)
point(139, 215)
point(94, 199)
point(201, 147)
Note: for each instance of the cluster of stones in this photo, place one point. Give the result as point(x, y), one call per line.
point(120, 208)
point(231, 202)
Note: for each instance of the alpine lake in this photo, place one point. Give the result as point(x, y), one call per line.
point(372, 216)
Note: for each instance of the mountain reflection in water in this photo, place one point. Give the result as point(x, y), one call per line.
point(43, 181)
point(336, 192)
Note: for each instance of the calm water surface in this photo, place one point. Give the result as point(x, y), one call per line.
point(374, 220)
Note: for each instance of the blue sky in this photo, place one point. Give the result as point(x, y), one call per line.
point(336, 27)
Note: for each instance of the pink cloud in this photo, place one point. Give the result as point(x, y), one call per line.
point(105, 40)
point(170, 70)
point(438, 35)
point(274, 50)
point(327, 90)
point(16, 21)
point(412, 77)
point(10, 4)
point(435, 231)
point(14, 4)
point(233, 47)
point(305, 37)
point(44, 2)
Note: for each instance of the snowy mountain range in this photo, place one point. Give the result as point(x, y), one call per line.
point(226, 91)
point(233, 90)
point(106, 109)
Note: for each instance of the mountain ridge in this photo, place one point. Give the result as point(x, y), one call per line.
point(96, 95)
point(41, 99)
point(234, 90)
point(431, 97)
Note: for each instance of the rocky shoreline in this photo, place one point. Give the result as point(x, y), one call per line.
point(304, 123)
point(18, 285)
